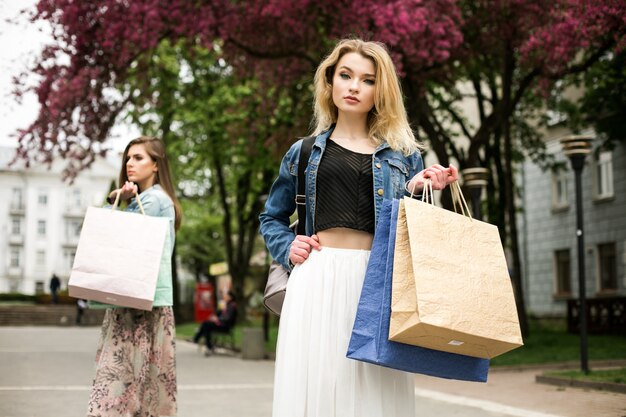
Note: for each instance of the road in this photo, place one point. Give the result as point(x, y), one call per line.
point(47, 372)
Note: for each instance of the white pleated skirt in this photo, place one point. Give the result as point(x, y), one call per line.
point(313, 376)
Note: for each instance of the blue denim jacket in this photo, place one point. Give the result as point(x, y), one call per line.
point(156, 203)
point(391, 170)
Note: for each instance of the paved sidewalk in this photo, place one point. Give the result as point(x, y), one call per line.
point(515, 393)
point(47, 372)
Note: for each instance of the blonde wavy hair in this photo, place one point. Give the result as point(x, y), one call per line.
point(387, 121)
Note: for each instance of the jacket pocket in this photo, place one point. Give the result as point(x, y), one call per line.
point(398, 175)
point(293, 169)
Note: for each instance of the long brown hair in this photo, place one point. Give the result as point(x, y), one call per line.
point(156, 150)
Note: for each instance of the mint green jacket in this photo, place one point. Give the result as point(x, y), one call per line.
point(156, 203)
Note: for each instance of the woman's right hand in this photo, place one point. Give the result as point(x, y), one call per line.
point(127, 191)
point(301, 247)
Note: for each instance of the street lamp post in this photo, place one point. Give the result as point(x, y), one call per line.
point(577, 147)
point(475, 179)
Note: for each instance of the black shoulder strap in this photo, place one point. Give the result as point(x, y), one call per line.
point(305, 152)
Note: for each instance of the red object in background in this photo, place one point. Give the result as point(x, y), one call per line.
point(203, 301)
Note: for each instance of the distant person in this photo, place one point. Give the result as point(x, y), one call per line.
point(55, 285)
point(136, 356)
point(222, 322)
point(81, 305)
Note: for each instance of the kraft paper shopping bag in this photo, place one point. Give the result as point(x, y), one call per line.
point(451, 287)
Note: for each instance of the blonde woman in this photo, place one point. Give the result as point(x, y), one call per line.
point(364, 152)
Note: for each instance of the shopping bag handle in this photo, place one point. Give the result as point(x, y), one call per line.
point(117, 200)
point(457, 197)
point(427, 193)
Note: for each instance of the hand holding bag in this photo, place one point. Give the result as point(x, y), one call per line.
point(118, 257)
point(278, 276)
point(451, 287)
point(370, 335)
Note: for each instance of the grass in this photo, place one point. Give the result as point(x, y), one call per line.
point(616, 376)
point(187, 330)
point(549, 342)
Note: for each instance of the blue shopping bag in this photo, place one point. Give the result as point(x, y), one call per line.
point(369, 341)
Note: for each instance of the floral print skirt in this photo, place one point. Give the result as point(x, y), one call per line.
point(135, 365)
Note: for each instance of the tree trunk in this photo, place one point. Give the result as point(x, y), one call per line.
point(509, 191)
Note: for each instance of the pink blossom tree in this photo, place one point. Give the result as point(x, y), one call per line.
point(496, 56)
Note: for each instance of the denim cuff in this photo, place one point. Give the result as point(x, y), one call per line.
point(408, 192)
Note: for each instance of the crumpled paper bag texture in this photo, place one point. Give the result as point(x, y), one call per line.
point(451, 287)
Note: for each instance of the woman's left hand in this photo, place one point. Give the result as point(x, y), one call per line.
point(439, 176)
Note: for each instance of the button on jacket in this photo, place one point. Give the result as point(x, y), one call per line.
point(391, 170)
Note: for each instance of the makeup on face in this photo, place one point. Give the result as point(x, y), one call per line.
point(354, 83)
point(140, 168)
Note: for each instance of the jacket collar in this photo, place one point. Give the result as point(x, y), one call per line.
point(320, 140)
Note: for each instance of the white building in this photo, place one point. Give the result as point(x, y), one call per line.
point(41, 218)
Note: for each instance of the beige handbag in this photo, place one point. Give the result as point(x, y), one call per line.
point(118, 257)
point(451, 287)
point(275, 288)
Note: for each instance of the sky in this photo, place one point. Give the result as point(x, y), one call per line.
point(20, 44)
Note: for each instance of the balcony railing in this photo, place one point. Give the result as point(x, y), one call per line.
point(17, 207)
point(15, 271)
point(73, 211)
point(16, 239)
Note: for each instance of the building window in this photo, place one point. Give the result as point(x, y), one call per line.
point(75, 198)
point(559, 189)
point(607, 262)
point(16, 227)
point(41, 258)
point(562, 268)
point(42, 199)
point(17, 200)
point(41, 227)
point(69, 258)
point(603, 178)
point(72, 229)
point(14, 260)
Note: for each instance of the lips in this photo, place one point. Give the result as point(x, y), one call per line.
point(351, 99)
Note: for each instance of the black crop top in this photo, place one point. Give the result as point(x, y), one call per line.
point(345, 190)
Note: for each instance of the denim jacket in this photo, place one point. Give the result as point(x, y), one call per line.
point(391, 170)
point(156, 203)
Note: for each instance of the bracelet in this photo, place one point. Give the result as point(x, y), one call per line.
point(415, 196)
point(406, 187)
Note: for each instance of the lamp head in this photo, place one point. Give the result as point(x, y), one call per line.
point(576, 145)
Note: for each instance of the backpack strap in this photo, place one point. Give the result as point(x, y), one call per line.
point(305, 152)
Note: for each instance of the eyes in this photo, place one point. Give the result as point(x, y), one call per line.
point(346, 76)
point(137, 157)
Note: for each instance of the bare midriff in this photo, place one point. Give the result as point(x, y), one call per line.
point(344, 238)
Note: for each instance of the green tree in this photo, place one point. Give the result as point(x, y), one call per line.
point(603, 100)
point(223, 134)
